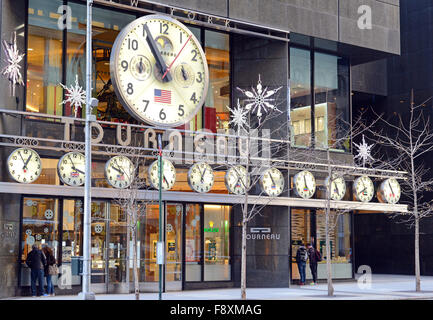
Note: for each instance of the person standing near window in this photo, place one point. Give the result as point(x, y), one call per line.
point(314, 257)
point(36, 262)
point(50, 268)
point(301, 260)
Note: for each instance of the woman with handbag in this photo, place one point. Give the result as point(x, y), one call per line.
point(50, 269)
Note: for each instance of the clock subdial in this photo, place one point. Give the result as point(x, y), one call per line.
point(184, 75)
point(389, 191)
point(237, 180)
point(119, 172)
point(272, 182)
point(24, 165)
point(71, 168)
point(201, 177)
point(305, 184)
point(168, 174)
point(363, 189)
point(338, 188)
point(141, 68)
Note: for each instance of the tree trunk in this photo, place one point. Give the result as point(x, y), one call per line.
point(244, 257)
point(134, 262)
point(328, 242)
point(417, 262)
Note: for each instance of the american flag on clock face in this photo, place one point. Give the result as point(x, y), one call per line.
point(162, 96)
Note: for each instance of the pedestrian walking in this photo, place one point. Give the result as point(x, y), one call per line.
point(301, 260)
point(50, 269)
point(314, 257)
point(36, 262)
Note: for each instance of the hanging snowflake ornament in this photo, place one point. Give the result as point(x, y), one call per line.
point(364, 152)
point(259, 100)
point(75, 95)
point(239, 116)
point(13, 59)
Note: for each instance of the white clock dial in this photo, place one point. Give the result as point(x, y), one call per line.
point(272, 182)
point(168, 174)
point(159, 71)
point(389, 191)
point(24, 165)
point(338, 188)
point(201, 177)
point(237, 180)
point(119, 172)
point(363, 189)
point(71, 168)
point(305, 184)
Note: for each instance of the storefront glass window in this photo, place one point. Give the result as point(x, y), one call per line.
point(173, 234)
point(300, 95)
point(44, 58)
point(331, 77)
point(117, 245)
point(301, 234)
point(149, 230)
point(98, 241)
point(216, 243)
point(192, 243)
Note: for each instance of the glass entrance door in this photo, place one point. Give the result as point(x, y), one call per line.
point(173, 240)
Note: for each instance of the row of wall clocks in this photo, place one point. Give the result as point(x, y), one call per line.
point(25, 166)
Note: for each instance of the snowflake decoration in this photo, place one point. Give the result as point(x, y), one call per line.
point(75, 95)
point(13, 59)
point(259, 100)
point(364, 151)
point(239, 116)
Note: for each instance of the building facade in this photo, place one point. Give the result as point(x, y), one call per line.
point(308, 51)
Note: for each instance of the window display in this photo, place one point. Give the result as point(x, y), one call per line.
point(192, 243)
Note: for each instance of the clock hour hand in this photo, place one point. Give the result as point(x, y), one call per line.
point(184, 74)
point(305, 183)
point(73, 166)
point(78, 170)
point(201, 178)
point(165, 179)
point(270, 175)
point(158, 57)
point(336, 187)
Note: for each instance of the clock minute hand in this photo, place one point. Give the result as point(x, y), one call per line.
point(171, 64)
point(391, 189)
point(158, 57)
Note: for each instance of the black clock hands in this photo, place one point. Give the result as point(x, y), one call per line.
point(22, 159)
point(336, 187)
point(202, 175)
point(158, 57)
point(184, 73)
point(391, 188)
point(73, 166)
point(305, 183)
point(273, 182)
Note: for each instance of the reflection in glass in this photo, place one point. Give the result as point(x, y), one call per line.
point(192, 243)
point(117, 245)
point(173, 235)
point(149, 236)
point(98, 241)
point(301, 234)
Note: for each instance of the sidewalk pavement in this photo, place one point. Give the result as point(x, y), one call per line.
point(383, 287)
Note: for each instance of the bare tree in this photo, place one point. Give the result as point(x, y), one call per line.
point(406, 140)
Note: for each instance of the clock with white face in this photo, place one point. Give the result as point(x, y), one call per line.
point(272, 182)
point(119, 172)
point(237, 180)
point(24, 165)
point(389, 191)
point(305, 184)
point(159, 71)
point(201, 177)
point(168, 174)
point(71, 168)
point(338, 188)
point(363, 189)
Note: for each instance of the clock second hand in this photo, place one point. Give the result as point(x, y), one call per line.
point(171, 64)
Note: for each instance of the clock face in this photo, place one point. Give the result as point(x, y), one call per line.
point(201, 177)
point(71, 168)
point(168, 174)
point(24, 165)
point(237, 180)
point(119, 172)
point(272, 182)
point(390, 191)
point(338, 188)
point(159, 71)
point(305, 184)
point(363, 189)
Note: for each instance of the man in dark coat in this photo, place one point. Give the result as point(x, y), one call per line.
point(301, 260)
point(314, 257)
point(36, 262)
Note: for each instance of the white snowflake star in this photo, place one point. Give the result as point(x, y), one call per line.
point(239, 116)
point(364, 152)
point(74, 95)
point(13, 59)
point(259, 100)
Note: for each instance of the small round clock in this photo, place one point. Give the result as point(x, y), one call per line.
point(159, 71)
point(237, 180)
point(168, 174)
point(305, 184)
point(272, 182)
point(389, 191)
point(338, 188)
point(71, 168)
point(363, 189)
point(24, 165)
point(201, 177)
point(119, 172)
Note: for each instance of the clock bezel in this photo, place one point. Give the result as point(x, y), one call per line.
point(8, 161)
point(114, 59)
point(355, 193)
point(263, 187)
point(295, 180)
point(381, 192)
point(227, 184)
point(156, 164)
point(58, 169)
point(190, 173)
point(106, 174)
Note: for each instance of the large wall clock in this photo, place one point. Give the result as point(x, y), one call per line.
point(338, 188)
point(159, 71)
point(237, 180)
point(119, 172)
point(71, 168)
point(272, 182)
point(168, 174)
point(363, 189)
point(24, 165)
point(305, 184)
point(201, 177)
point(389, 191)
